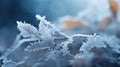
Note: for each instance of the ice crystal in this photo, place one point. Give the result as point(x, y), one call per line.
point(47, 46)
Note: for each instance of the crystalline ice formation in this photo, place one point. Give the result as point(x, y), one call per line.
point(47, 46)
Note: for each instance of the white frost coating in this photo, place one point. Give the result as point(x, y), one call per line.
point(27, 30)
point(44, 30)
point(51, 25)
point(65, 46)
point(49, 44)
point(100, 42)
point(92, 42)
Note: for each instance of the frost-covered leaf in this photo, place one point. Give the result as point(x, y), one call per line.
point(92, 42)
point(27, 30)
point(101, 42)
point(44, 30)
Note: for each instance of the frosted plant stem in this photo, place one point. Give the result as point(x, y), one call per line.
point(16, 44)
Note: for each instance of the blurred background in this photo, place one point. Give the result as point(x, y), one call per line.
point(25, 10)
